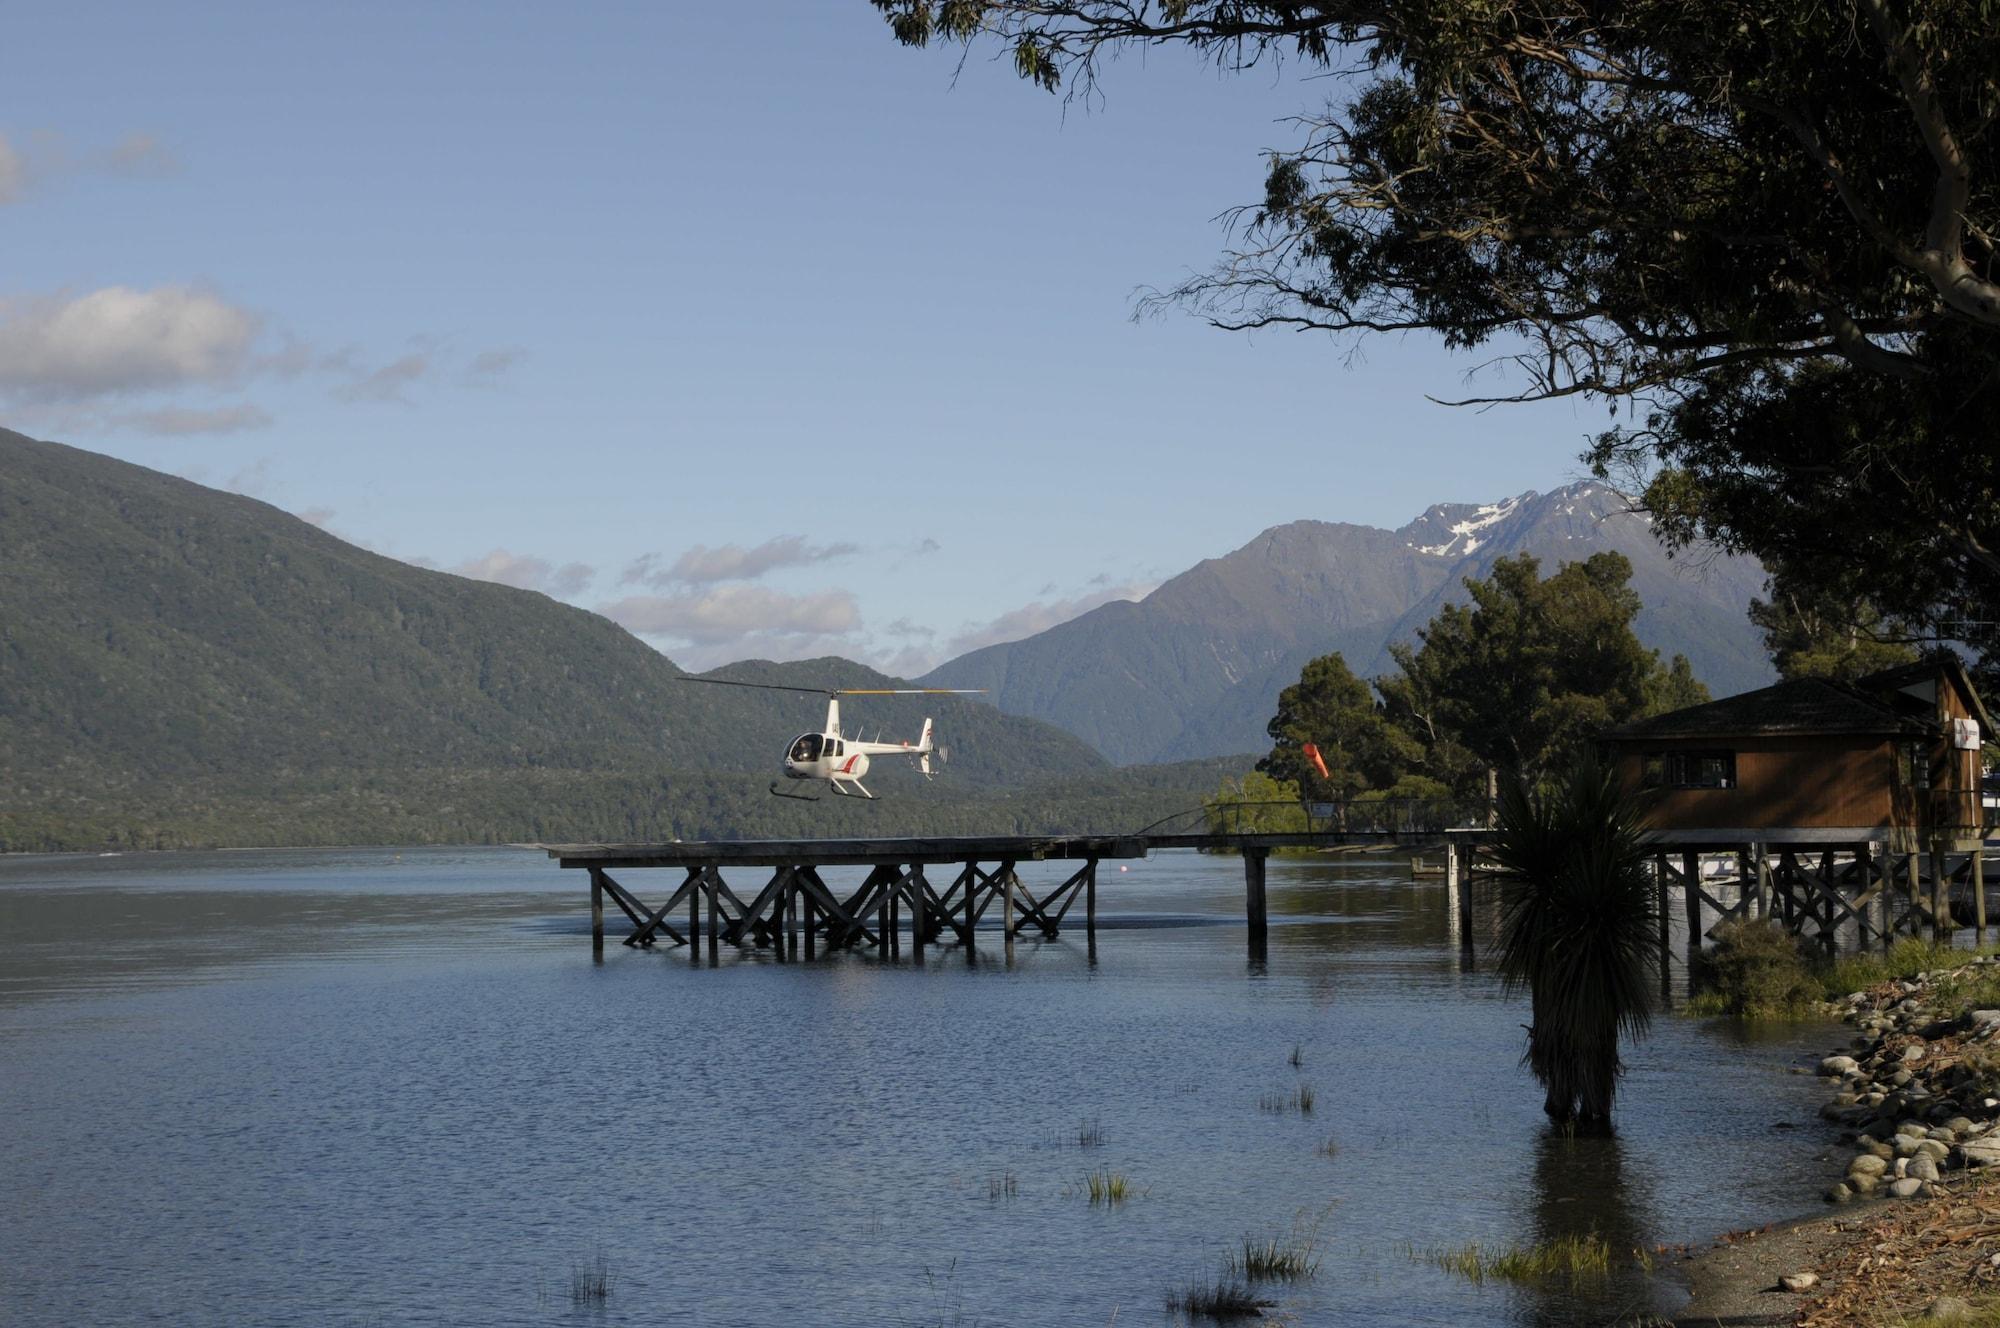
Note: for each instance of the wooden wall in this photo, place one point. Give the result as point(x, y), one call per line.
point(1803, 782)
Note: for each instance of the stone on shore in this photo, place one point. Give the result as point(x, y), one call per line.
point(1866, 1164)
point(1947, 1309)
point(1907, 1188)
point(1981, 1152)
point(1799, 1281)
point(1834, 1065)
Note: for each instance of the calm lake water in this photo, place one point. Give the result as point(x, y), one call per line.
point(371, 1087)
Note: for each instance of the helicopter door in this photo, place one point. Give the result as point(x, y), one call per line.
point(806, 749)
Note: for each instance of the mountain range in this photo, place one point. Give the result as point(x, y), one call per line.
point(181, 665)
point(1194, 668)
point(172, 647)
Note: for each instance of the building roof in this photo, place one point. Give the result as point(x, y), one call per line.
point(1929, 670)
point(1804, 705)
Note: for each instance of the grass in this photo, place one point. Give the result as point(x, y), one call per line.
point(1571, 1259)
point(1328, 1147)
point(1755, 970)
point(1224, 1299)
point(1300, 1099)
point(1904, 960)
point(1002, 1186)
point(590, 1283)
point(1089, 1133)
point(1288, 1258)
point(1298, 1056)
point(1108, 1188)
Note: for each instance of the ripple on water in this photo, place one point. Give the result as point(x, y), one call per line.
point(351, 1088)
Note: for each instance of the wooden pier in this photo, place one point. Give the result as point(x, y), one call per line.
point(922, 888)
point(921, 892)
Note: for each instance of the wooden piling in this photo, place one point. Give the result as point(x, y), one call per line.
point(1940, 893)
point(1978, 891)
point(1691, 889)
point(1253, 892)
point(597, 910)
point(1007, 909)
point(714, 919)
point(1465, 946)
point(1660, 902)
point(1090, 901)
point(918, 928)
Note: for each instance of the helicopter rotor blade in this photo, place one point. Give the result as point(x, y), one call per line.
point(760, 686)
point(907, 691)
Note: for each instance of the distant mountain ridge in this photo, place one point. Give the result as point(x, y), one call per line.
point(154, 631)
point(1194, 669)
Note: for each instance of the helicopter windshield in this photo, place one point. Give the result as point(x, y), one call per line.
point(806, 748)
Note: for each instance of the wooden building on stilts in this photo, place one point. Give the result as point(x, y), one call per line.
point(1841, 809)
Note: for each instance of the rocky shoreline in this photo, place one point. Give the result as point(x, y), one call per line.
point(1915, 1236)
point(1918, 1092)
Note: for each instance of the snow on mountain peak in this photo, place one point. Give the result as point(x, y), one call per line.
point(1465, 537)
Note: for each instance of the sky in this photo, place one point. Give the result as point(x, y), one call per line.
point(741, 324)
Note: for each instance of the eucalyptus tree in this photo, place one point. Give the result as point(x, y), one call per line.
point(1762, 231)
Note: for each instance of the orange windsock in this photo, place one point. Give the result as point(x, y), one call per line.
point(1312, 755)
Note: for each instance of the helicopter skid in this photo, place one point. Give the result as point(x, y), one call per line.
point(778, 792)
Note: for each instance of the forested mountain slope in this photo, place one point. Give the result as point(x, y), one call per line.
point(156, 634)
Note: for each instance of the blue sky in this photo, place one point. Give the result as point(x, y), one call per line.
point(739, 322)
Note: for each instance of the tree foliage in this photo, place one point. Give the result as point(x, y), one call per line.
point(1521, 677)
point(1528, 672)
point(1338, 713)
point(1764, 225)
point(1814, 629)
point(1578, 930)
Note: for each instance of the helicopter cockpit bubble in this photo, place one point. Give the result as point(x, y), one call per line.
point(807, 748)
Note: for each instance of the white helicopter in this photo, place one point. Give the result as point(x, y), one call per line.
point(839, 760)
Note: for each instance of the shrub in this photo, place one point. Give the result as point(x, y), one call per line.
point(1755, 970)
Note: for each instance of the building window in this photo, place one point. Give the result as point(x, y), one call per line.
point(1706, 770)
point(1916, 765)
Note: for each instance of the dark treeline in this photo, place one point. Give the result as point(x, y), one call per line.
point(552, 805)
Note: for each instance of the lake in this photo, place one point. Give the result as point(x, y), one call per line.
point(392, 1087)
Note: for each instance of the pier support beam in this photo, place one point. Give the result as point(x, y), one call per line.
point(1660, 901)
point(1253, 895)
point(597, 910)
point(1691, 889)
point(1978, 892)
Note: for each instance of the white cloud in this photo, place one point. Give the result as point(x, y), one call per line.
point(138, 154)
point(315, 516)
point(526, 572)
point(702, 565)
point(1041, 615)
point(178, 421)
point(13, 173)
point(490, 365)
point(390, 382)
point(48, 156)
point(119, 340)
point(727, 614)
